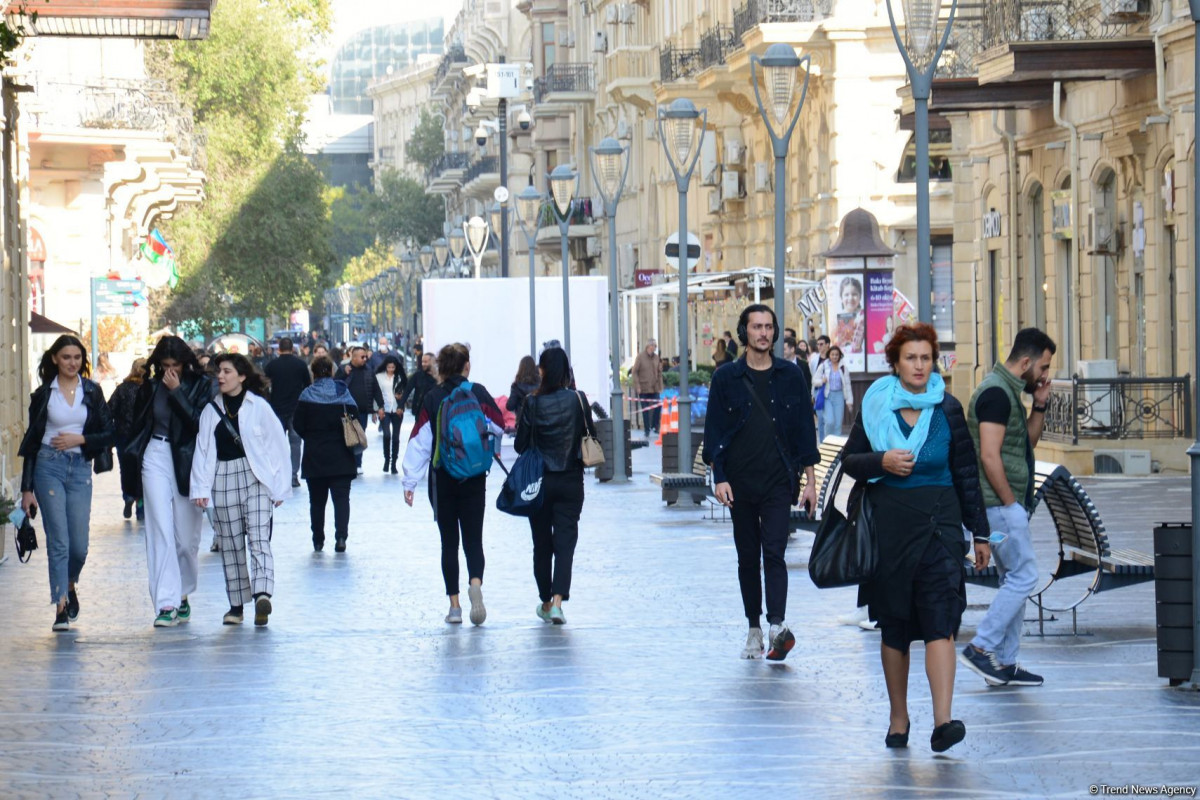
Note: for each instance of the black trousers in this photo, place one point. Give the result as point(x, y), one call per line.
point(391, 437)
point(459, 507)
point(760, 530)
point(131, 476)
point(650, 413)
point(555, 529)
point(319, 490)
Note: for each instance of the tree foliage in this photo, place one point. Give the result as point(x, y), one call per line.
point(428, 141)
point(370, 263)
point(402, 210)
point(351, 221)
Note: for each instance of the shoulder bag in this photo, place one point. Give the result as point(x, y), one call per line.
point(522, 493)
point(353, 434)
point(845, 551)
point(590, 449)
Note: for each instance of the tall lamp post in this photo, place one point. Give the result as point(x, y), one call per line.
point(458, 244)
point(407, 269)
point(564, 184)
point(681, 131)
point(476, 230)
point(393, 281)
point(779, 67)
point(529, 207)
point(920, 59)
point(1194, 450)
point(343, 293)
point(607, 165)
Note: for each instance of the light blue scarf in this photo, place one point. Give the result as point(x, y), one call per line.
point(886, 396)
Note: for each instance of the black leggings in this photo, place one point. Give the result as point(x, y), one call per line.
point(459, 506)
point(390, 427)
point(318, 491)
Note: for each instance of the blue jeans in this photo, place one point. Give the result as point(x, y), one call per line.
point(62, 484)
point(1000, 629)
point(834, 414)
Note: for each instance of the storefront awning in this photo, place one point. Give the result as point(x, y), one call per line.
point(41, 324)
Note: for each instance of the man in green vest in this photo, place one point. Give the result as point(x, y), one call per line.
point(1004, 441)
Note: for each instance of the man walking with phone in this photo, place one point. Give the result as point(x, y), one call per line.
point(1004, 440)
point(758, 436)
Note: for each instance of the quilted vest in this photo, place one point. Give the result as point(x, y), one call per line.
point(1016, 438)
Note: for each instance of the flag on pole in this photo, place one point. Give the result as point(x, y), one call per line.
point(155, 247)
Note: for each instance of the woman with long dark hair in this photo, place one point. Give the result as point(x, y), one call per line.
point(120, 405)
point(166, 414)
point(554, 420)
point(243, 464)
point(327, 465)
point(458, 504)
point(69, 425)
point(387, 390)
point(524, 384)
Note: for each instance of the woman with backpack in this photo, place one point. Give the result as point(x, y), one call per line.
point(554, 420)
point(453, 433)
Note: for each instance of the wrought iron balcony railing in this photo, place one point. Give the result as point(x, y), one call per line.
point(581, 213)
point(455, 54)
point(1119, 408)
point(758, 12)
point(676, 63)
point(717, 43)
point(482, 166)
point(578, 78)
point(447, 162)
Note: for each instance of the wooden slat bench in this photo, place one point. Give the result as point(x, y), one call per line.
point(694, 483)
point(1084, 547)
point(823, 475)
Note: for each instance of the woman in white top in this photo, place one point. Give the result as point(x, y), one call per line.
point(839, 398)
point(69, 425)
point(243, 463)
point(390, 385)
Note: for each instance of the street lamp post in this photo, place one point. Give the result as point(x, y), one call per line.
point(564, 184)
point(1194, 450)
point(607, 161)
point(920, 60)
point(529, 206)
point(476, 230)
point(393, 278)
point(458, 244)
point(677, 130)
point(407, 267)
point(779, 67)
point(343, 293)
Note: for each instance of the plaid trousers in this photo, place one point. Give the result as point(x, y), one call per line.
point(243, 517)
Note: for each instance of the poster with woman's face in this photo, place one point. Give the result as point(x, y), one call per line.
point(846, 317)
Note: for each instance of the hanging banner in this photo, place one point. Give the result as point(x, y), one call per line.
point(881, 321)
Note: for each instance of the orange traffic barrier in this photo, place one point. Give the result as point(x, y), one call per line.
point(664, 418)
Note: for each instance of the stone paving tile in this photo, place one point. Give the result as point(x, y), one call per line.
point(357, 688)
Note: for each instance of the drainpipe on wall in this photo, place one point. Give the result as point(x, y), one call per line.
point(1013, 187)
point(1075, 295)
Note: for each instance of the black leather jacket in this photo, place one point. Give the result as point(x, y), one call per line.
point(554, 423)
point(97, 430)
point(187, 403)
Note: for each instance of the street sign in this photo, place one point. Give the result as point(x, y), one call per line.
point(113, 310)
point(124, 287)
point(672, 251)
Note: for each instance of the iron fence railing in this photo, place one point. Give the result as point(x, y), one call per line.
point(676, 63)
point(482, 166)
point(717, 43)
point(581, 213)
point(455, 54)
point(1119, 408)
point(565, 78)
point(447, 162)
point(758, 12)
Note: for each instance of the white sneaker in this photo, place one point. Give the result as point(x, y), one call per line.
point(478, 612)
point(855, 617)
point(869, 625)
point(754, 644)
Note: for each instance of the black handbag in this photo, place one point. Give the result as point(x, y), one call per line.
point(26, 538)
point(845, 551)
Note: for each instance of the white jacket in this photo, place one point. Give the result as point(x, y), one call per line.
point(263, 439)
point(821, 377)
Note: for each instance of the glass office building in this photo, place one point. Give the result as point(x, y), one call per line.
point(366, 56)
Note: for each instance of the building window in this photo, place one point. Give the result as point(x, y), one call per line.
point(942, 263)
point(548, 42)
point(1035, 279)
point(939, 158)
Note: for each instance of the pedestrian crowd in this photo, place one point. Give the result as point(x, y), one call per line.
point(220, 441)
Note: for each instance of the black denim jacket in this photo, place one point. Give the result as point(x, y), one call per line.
point(97, 430)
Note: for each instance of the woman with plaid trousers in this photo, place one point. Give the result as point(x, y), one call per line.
point(243, 463)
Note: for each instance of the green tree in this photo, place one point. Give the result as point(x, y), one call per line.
point(352, 226)
point(428, 141)
point(402, 210)
point(369, 264)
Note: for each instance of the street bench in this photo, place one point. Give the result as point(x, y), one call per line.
point(695, 483)
point(1084, 547)
point(823, 474)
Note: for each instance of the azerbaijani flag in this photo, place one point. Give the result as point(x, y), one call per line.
point(155, 247)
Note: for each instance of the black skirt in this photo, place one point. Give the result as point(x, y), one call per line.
point(919, 591)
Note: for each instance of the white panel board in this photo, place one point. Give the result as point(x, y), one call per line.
point(492, 316)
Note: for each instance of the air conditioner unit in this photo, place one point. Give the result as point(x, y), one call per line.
point(610, 15)
point(1124, 10)
point(1100, 231)
point(627, 13)
point(1097, 401)
point(762, 177)
point(731, 186)
point(1121, 462)
point(600, 42)
point(712, 177)
point(592, 248)
point(714, 202)
point(734, 152)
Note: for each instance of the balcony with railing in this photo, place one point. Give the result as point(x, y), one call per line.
point(571, 83)
point(766, 12)
point(581, 224)
point(1119, 408)
point(482, 177)
point(677, 63)
point(630, 72)
point(716, 44)
point(447, 172)
point(454, 58)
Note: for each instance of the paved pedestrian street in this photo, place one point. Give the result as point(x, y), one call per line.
point(357, 688)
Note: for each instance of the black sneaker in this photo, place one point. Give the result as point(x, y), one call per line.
point(61, 621)
point(128, 512)
point(262, 610)
point(318, 544)
point(984, 664)
point(782, 642)
point(1021, 677)
point(295, 481)
point(339, 545)
point(72, 605)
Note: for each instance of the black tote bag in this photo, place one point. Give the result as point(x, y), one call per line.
point(845, 552)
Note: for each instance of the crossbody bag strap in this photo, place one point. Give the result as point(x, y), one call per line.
point(229, 426)
point(587, 429)
point(754, 395)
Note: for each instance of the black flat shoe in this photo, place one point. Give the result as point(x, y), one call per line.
point(946, 736)
point(898, 739)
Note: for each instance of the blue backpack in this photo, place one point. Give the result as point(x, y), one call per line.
point(464, 447)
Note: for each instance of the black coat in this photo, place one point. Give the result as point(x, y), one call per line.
point(288, 375)
point(554, 423)
point(862, 463)
point(187, 404)
point(325, 451)
point(517, 394)
point(97, 430)
point(120, 405)
point(419, 384)
point(359, 381)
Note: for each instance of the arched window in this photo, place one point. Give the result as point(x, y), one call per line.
point(939, 158)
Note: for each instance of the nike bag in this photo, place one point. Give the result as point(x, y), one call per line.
point(522, 493)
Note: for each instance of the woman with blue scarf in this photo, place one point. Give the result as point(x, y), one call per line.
point(328, 465)
point(911, 451)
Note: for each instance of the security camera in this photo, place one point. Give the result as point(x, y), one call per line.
point(480, 136)
point(523, 119)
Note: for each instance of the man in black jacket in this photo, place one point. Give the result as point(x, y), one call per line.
point(758, 436)
point(419, 383)
point(288, 375)
point(358, 380)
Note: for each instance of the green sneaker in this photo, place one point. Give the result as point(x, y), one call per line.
point(184, 612)
point(543, 614)
point(167, 618)
point(557, 616)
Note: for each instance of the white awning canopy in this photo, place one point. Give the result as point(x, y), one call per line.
point(720, 281)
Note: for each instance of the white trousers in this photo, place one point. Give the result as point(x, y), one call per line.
point(172, 530)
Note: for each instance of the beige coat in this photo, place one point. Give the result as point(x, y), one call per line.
point(646, 374)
